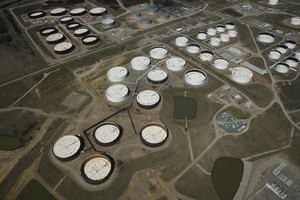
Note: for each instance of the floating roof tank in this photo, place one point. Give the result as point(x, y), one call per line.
point(206, 55)
point(63, 48)
point(107, 134)
point(140, 63)
point(241, 75)
point(68, 147)
point(232, 33)
point(295, 21)
point(193, 48)
point(274, 54)
point(108, 22)
point(78, 11)
point(90, 40)
point(290, 44)
point(273, 2)
point(181, 41)
point(97, 169)
point(55, 38)
point(211, 31)
point(154, 134)
point(202, 36)
point(66, 19)
point(175, 64)
point(36, 14)
point(58, 11)
point(117, 93)
point(265, 37)
point(117, 74)
point(48, 31)
point(224, 37)
point(282, 68)
point(73, 25)
point(148, 99)
point(98, 11)
point(220, 28)
point(221, 64)
point(159, 53)
point(80, 32)
point(195, 77)
point(157, 76)
point(230, 26)
point(215, 41)
point(292, 62)
point(282, 48)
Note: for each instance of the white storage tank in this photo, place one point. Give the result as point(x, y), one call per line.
point(148, 99)
point(221, 64)
point(78, 11)
point(107, 134)
point(154, 134)
point(66, 19)
point(90, 40)
point(241, 75)
point(108, 22)
point(221, 28)
point(117, 74)
point(292, 62)
point(48, 31)
point(193, 48)
point(58, 11)
point(273, 2)
point(73, 25)
point(117, 93)
point(202, 36)
point(290, 44)
point(232, 33)
point(206, 55)
point(215, 41)
point(80, 32)
point(98, 11)
point(195, 77)
point(211, 31)
point(63, 48)
point(157, 76)
point(224, 37)
point(295, 21)
point(274, 54)
point(97, 169)
point(181, 41)
point(265, 37)
point(159, 53)
point(55, 38)
point(230, 26)
point(282, 68)
point(282, 48)
point(36, 14)
point(68, 147)
point(175, 64)
point(140, 63)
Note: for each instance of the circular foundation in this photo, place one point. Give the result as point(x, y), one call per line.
point(68, 147)
point(158, 53)
point(148, 99)
point(154, 135)
point(140, 63)
point(117, 74)
point(242, 75)
point(107, 134)
point(97, 169)
point(175, 64)
point(157, 76)
point(195, 77)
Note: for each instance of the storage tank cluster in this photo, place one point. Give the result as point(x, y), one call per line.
point(291, 62)
point(221, 33)
point(241, 75)
point(266, 37)
point(281, 49)
point(54, 37)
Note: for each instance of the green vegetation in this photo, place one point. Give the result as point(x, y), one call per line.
point(34, 190)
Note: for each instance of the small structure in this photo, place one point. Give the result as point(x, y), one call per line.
point(108, 22)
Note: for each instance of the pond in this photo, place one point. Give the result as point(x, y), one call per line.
point(8, 143)
point(34, 190)
point(226, 176)
point(184, 107)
